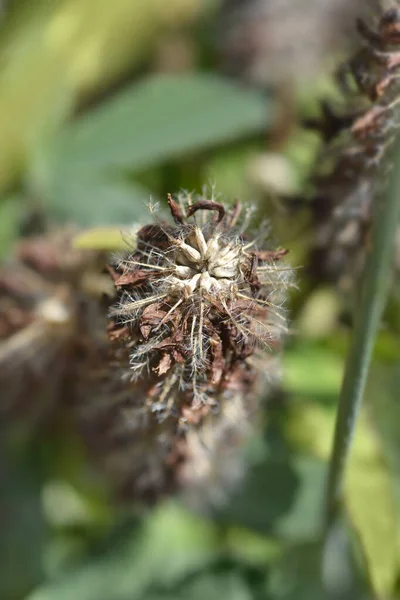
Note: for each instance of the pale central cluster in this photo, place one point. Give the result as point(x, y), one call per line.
point(205, 265)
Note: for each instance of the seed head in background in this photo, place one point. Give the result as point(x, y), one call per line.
point(192, 334)
point(50, 310)
point(355, 160)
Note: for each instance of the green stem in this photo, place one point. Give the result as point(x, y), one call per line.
point(366, 324)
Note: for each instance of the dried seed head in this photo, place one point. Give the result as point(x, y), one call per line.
point(197, 317)
point(196, 299)
point(354, 163)
point(43, 301)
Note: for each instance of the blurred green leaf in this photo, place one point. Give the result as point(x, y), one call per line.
point(310, 427)
point(161, 118)
point(97, 201)
point(250, 547)
point(55, 53)
point(10, 215)
point(207, 586)
point(280, 496)
point(383, 405)
point(107, 239)
point(23, 530)
point(375, 520)
point(297, 576)
point(229, 168)
point(320, 314)
point(312, 370)
point(384, 411)
point(171, 545)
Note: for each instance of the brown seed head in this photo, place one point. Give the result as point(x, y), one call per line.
point(197, 317)
point(196, 300)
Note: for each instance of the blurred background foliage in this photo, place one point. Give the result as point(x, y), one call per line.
point(102, 106)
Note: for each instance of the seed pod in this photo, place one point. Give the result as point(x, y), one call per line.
point(197, 316)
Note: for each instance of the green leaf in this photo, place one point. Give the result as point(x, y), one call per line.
point(250, 547)
point(146, 124)
point(280, 496)
point(376, 520)
point(10, 216)
point(297, 576)
point(312, 370)
point(103, 239)
point(162, 117)
point(382, 394)
point(210, 586)
point(97, 201)
point(310, 427)
point(170, 546)
point(23, 530)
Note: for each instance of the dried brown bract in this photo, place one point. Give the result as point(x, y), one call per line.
point(191, 335)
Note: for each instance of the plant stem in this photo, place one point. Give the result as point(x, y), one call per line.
point(367, 319)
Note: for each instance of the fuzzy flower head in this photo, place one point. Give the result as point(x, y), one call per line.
point(199, 300)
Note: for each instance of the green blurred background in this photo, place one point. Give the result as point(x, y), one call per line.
point(104, 105)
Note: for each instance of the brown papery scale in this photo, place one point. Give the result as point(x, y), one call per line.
point(192, 335)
